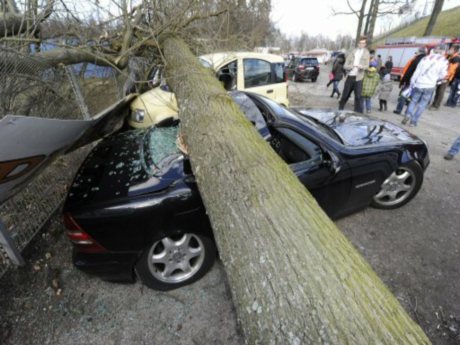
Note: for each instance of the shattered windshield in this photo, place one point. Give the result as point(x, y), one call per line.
point(159, 143)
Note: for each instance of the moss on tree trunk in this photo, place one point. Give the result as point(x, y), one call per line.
point(294, 277)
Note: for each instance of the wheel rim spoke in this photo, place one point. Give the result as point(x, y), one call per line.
point(168, 271)
point(194, 252)
point(159, 258)
point(185, 266)
point(403, 177)
point(168, 243)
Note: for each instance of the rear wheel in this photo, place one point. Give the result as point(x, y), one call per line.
point(400, 187)
point(313, 79)
point(175, 261)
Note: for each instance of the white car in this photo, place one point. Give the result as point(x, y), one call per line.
point(244, 71)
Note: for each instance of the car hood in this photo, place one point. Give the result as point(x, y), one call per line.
point(122, 166)
point(359, 130)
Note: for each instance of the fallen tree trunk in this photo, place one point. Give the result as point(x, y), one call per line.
point(294, 277)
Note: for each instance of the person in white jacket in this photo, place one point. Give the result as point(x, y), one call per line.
point(430, 70)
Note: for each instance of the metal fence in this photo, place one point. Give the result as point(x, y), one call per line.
point(29, 86)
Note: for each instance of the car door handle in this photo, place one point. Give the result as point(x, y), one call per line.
point(269, 91)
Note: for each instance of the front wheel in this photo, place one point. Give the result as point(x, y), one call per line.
point(175, 261)
point(400, 187)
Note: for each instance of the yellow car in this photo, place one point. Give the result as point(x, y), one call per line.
point(244, 71)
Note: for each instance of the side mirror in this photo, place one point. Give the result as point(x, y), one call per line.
point(333, 162)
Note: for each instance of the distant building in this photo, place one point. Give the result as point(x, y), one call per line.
point(267, 50)
point(323, 55)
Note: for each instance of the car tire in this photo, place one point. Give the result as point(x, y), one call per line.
point(313, 79)
point(400, 187)
point(176, 260)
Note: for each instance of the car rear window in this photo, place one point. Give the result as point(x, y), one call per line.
point(309, 61)
point(159, 143)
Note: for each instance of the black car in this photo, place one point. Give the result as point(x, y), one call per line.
point(302, 68)
point(134, 205)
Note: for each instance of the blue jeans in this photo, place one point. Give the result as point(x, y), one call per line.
point(420, 99)
point(401, 103)
point(366, 103)
point(455, 148)
point(335, 87)
point(453, 96)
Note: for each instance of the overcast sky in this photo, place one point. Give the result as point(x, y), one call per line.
point(315, 16)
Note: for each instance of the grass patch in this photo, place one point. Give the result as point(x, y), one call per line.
point(448, 25)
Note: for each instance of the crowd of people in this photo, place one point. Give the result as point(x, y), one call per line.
point(424, 79)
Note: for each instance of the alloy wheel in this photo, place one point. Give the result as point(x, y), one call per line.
point(175, 259)
point(396, 188)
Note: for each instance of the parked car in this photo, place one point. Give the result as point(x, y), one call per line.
point(302, 68)
point(134, 205)
point(246, 71)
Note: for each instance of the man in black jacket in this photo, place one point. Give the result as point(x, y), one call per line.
point(407, 74)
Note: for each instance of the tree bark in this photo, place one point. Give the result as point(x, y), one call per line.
point(360, 20)
point(368, 17)
point(374, 14)
point(437, 8)
point(11, 24)
point(294, 277)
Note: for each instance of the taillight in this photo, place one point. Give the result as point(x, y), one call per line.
point(79, 238)
point(318, 68)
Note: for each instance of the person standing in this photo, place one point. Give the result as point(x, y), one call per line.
point(338, 71)
point(379, 62)
point(406, 75)
point(454, 149)
point(430, 70)
point(454, 61)
point(385, 88)
point(455, 82)
point(389, 65)
point(370, 82)
point(355, 63)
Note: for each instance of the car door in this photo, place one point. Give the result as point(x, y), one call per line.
point(264, 78)
point(320, 171)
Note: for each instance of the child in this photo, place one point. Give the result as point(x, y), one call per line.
point(385, 88)
point(370, 82)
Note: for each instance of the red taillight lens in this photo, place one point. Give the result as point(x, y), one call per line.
point(318, 68)
point(80, 239)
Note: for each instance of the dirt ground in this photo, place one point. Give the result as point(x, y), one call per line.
point(414, 249)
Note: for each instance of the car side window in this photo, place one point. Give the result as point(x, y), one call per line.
point(227, 75)
point(294, 147)
point(256, 72)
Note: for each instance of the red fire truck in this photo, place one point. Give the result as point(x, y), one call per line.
point(403, 49)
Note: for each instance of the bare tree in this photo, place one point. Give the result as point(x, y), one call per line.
point(369, 12)
point(437, 8)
